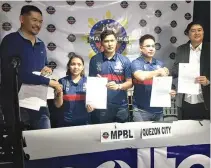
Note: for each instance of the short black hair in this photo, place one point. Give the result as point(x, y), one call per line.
point(106, 33)
point(145, 37)
point(29, 8)
point(191, 24)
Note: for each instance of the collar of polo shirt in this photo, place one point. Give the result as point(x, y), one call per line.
point(113, 58)
point(146, 62)
point(21, 33)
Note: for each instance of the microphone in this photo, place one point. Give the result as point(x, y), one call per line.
point(15, 61)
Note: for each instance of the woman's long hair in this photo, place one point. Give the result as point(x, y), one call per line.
point(69, 62)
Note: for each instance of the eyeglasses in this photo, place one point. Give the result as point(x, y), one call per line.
point(148, 46)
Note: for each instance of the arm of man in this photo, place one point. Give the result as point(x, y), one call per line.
point(139, 74)
point(58, 100)
point(127, 73)
point(6, 54)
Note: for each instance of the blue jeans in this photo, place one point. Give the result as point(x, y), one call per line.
point(142, 115)
point(36, 119)
point(113, 113)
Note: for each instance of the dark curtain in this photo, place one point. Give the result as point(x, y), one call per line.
point(201, 13)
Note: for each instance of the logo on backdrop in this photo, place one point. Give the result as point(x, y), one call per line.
point(71, 20)
point(71, 38)
point(90, 3)
point(173, 39)
point(158, 13)
point(52, 64)
point(6, 26)
point(6, 7)
point(114, 164)
point(172, 55)
point(173, 24)
point(174, 7)
point(143, 23)
point(188, 16)
point(124, 4)
point(51, 46)
point(51, 28)
point(71, 54)
point(143, 5)
point(71, 2)
point(157, 30)
point(107, 24)
point(188, 1)
point(50, 10)
point(157, 46)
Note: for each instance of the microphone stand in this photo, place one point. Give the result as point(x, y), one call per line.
point(17, 126)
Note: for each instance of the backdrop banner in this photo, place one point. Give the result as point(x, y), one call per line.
point(73, 27)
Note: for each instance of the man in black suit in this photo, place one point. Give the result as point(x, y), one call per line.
point(196, 51)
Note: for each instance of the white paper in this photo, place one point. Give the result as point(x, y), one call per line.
point(96, 92)
point(186, 79)
point(33, 96)
point(160, 94)
point(50, 92)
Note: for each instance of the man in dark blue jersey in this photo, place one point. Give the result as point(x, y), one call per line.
point(116, 68)
point(144, 68)
point(33, 56)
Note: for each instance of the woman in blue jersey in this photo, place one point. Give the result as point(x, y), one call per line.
point(71, 100)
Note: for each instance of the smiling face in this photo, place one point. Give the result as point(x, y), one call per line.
point(76, 67)
point(32, 22)
point(148, 48)
point(196, 34)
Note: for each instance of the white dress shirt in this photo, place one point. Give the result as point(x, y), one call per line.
point(194, 58)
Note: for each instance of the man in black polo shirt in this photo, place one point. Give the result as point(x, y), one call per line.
point(32, 53)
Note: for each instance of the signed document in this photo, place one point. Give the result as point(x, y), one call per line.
point(160, 94)
point(96, 92)
point(186, 79)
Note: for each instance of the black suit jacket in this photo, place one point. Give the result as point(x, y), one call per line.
point(182, 56)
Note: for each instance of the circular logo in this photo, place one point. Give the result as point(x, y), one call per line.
point(114, 164)
point(143, 5)
point(71, 54)
point(71, 2)
point(174, 7)
point(105, 135)
point(188, 16)
point(188, 1)
point(71, 20)
point(143, 23)
point(51, 28)
point(6, 7)
point(173, 39)
point(89, 3)
point(71, 38)
point(50, 10)
point(157, 30)
point(6, 26)
point(52, 65)
point(172, 55)
point(51, 46)
point(173, 24)
point(124, 4)
point(108, 24)
point(158, 13)
point(157, 46)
